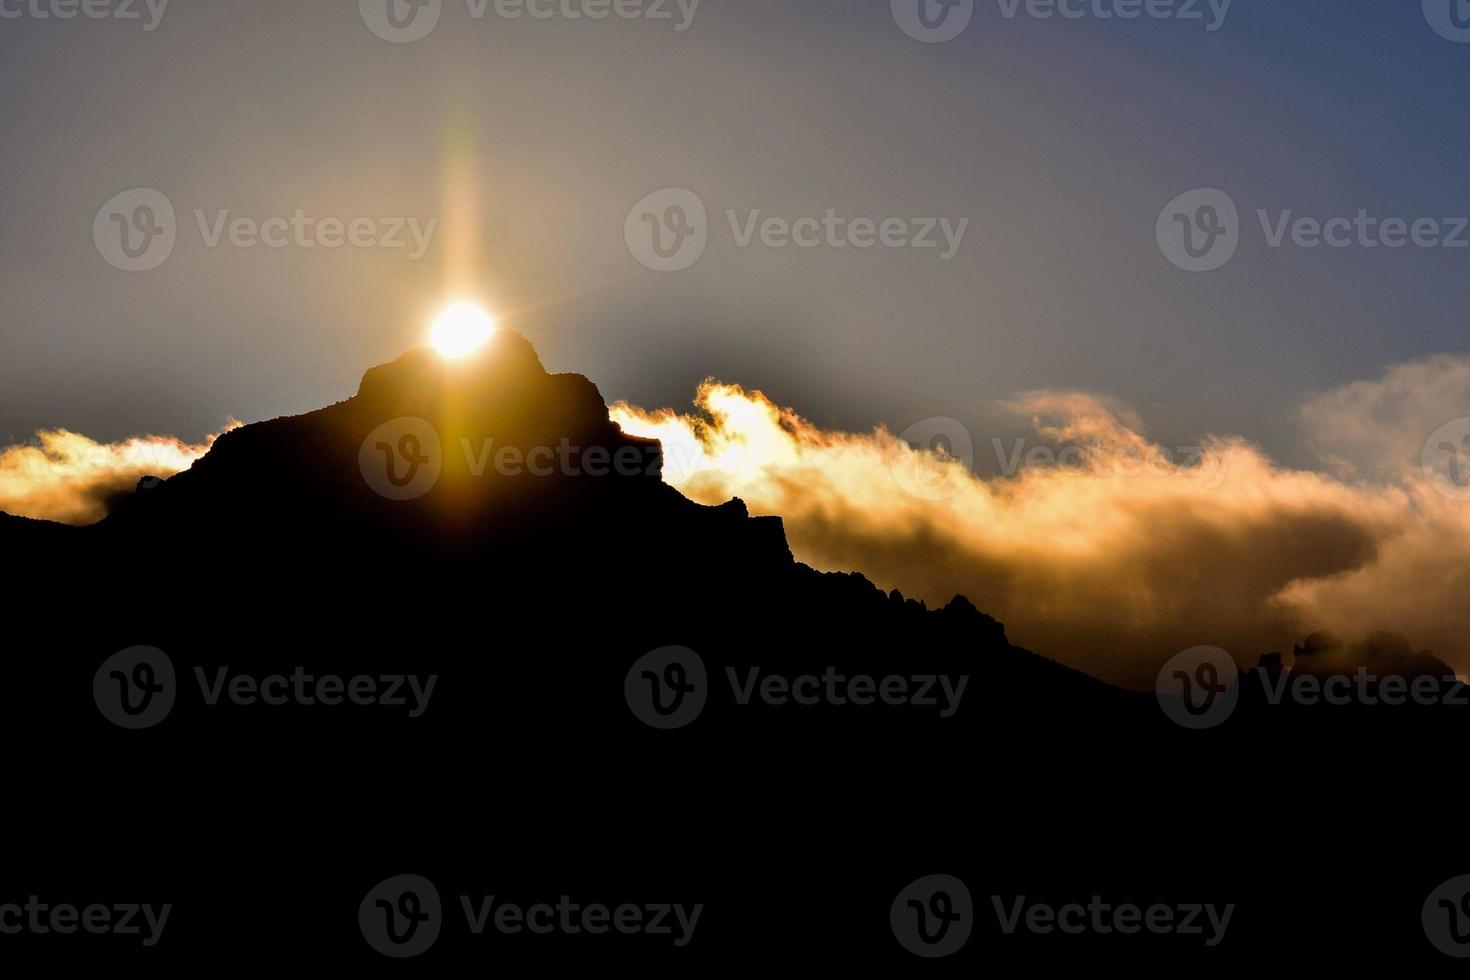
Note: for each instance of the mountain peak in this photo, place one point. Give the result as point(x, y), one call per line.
point(507, 358)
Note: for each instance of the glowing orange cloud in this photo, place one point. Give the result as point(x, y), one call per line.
point(1116, 564)
point(66, 477)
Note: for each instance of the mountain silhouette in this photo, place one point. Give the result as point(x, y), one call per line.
point(482, 522)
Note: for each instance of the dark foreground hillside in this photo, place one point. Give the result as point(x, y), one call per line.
point(457, 628)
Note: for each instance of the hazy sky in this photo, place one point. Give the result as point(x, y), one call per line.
point(1061, 140)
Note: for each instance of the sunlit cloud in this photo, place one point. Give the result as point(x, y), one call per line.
point(66, 477)
point(1125, 553)
point(1111, 557)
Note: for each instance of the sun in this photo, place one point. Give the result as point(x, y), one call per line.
point(461, 330)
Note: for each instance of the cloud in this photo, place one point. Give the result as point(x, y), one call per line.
point(1409, 429)
point(66, 477)
point(1094, 545)
point(1377, 429)
point(1097, 547)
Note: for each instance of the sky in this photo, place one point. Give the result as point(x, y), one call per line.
point(1060, 140)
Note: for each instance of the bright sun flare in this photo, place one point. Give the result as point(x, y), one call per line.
point(461, 330)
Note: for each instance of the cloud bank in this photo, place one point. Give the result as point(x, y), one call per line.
point(66, 477)
point(1097, 547)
